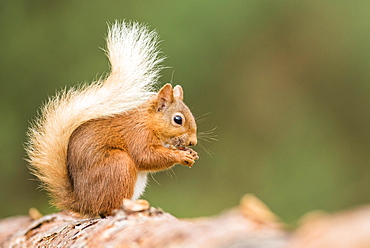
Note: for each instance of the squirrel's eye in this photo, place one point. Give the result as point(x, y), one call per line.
point(177, 119)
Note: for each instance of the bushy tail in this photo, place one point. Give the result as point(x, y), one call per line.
point(135, 65)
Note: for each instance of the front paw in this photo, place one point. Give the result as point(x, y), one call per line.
point(191, 152)
point(188, 156)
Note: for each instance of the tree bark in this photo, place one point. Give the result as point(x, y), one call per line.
point(139, 225)
point(250, 225)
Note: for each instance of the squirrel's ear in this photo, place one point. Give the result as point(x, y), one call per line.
point(164, 97)
point(178, 92)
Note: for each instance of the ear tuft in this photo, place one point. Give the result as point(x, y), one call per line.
point(164, 97)
point(178, 92)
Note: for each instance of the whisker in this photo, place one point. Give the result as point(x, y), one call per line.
point(201, 120)
point(168, 173)
point(208, 136)
point(200, 134)
point(174, 174)
point(205, 139)
point(209, 131)
point(171, 81)
point(209, 152)
point(151, 175)
point(208, 139)
point(203, 115)
point(213, 138)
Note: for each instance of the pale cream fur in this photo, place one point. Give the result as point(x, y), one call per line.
point(135, 64)
point(140, 184)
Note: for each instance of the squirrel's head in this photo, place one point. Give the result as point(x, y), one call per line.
point(171, 119)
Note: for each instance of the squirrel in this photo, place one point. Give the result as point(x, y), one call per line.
point(92, 146)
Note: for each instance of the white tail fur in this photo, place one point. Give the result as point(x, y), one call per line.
point(135, 65)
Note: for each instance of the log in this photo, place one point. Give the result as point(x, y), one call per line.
point(346, 229)
point(137, 224)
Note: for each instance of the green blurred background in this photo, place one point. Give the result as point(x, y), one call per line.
point(287, 83)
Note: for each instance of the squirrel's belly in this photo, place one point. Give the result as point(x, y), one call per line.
point(140, 185)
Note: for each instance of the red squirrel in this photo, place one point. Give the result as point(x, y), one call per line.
point(92, 147)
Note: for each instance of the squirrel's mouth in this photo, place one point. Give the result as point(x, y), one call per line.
point(175, 147)
point(182, 148)
point(176, 143)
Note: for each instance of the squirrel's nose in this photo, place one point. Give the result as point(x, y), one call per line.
point(193, 142)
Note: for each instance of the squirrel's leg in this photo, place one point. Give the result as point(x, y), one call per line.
point(110, 181)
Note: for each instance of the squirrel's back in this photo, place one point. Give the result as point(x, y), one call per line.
point(135, 64)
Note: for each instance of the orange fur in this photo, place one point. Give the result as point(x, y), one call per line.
point(92, 147)
point(104, 155)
